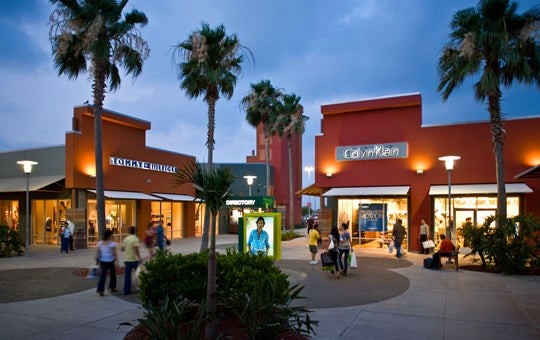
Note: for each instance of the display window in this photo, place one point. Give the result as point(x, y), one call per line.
point(46, 218)
point(171, 214)
point(475, 208)
point(10, 214)
point(371, 220)
point(119, 216)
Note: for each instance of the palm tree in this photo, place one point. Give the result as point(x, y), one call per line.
point(212, 187)
point(289, 122)
point(91, 36)
point(211, 64)
point(492, 41)
point(262, 105)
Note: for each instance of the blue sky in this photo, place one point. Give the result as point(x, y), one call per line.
point(325, 51)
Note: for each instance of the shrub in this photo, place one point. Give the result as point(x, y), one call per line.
point(289, 235)
point(512, 248)
point(249, 287)
point(10, 242)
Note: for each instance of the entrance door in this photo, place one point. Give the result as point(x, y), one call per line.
point(478, 216)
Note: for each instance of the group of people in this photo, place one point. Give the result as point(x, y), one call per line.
point(446, 247)
point(107, 255)
point(339, 247)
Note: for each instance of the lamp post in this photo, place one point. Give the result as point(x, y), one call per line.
point(27, 168)
point(249, 180)
point(309, 169)
point(449, 165)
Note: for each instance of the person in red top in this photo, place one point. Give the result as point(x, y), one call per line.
point(445, 249)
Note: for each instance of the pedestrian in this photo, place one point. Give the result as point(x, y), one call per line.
point(344, 248)
point(149, 239)
point(66, 233)
point(71, 227)
point(445, 249)
point(160, 235)
point(132, 257)
point(398, 234)
point(423, 235)
point(333, 244)
point(313, 240)
point(107, 257)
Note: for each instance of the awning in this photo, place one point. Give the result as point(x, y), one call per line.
point(468, 189)
point(35, 183)
point(369, 191)
point(128, 195)
point(175, 197)
point(310, 190)
point(533, 172)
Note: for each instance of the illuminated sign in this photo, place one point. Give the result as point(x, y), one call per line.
point(239, 202)
point(371, 151)
point(130, 163)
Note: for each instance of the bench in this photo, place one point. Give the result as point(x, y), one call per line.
point(453, 256)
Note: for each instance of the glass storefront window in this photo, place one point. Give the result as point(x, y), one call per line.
point(46, 217)
point(9, 214)
point(371, 219)
point(171, 213)
point(119, 216)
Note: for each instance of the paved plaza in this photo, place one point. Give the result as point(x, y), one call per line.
point(384, 298)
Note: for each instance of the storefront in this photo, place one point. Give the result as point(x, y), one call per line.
point(139, 184)
point(376, 162)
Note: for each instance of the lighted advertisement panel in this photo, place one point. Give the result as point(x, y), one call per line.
point(267, 241)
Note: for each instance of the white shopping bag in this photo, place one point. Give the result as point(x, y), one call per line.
point(391, 247)
point(353, 260)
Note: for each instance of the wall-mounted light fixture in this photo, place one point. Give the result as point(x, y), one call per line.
point(419, 171)
point(329, 174)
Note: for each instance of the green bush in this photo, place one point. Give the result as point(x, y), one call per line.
point(249, 287)
point(512, 248)
point(289, 235)
point(10, 242)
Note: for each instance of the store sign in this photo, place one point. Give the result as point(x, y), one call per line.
point(130, 163)
point(372, 151)
point(251, 201)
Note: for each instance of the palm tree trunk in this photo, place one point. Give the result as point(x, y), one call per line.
point(99, 87)
point(291, 193)
point(267, 156)
point(210, 164)
point(211, 292)
point(497, 131)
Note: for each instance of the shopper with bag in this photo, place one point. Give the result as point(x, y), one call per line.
point(132, 257)
point(332, 251)
point(313, 237)
point(344, 248)
point(106, 256)
point(423, 236)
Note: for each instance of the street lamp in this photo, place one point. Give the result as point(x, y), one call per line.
point(309, 169)
point(449, 165)
point(250, 179)
point(27, 168)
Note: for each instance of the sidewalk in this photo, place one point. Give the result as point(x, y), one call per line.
point(433, 304)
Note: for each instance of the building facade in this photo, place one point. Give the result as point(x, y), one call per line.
point(375, 162)
point(138, 180)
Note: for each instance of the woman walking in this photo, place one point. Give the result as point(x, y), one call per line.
point(107, 256)
point(344, 248)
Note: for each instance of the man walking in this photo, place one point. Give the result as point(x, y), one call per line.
point(398, 233)
point(132, 257)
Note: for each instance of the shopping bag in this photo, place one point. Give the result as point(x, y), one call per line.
point(326, 259)
point(353, 263)
point(428, 244)
point(391, 247)
point(93, 272)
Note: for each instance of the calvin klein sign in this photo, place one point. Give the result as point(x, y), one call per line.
point(372, 151)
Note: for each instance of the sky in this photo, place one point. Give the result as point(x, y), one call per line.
point(325, 51)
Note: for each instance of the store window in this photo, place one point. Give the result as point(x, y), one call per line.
point(371, 219)
point(171, 214)
point(46, 217)
point(10, 214)
point(478, 208)
point(119, 216)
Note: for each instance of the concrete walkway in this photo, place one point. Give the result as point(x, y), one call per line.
point(435, 304)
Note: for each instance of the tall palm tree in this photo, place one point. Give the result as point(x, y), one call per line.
point(262, 105)
point(211, 64)
point(92, 36)
point(290, 121)
point(501, 47)
point(211, 186)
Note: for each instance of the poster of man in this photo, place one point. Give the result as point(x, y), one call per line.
point(262, 233)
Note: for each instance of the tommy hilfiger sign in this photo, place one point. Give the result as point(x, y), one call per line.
point(372, 151)
point(130, 163)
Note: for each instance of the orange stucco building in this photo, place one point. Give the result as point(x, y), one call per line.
point(375, 162)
